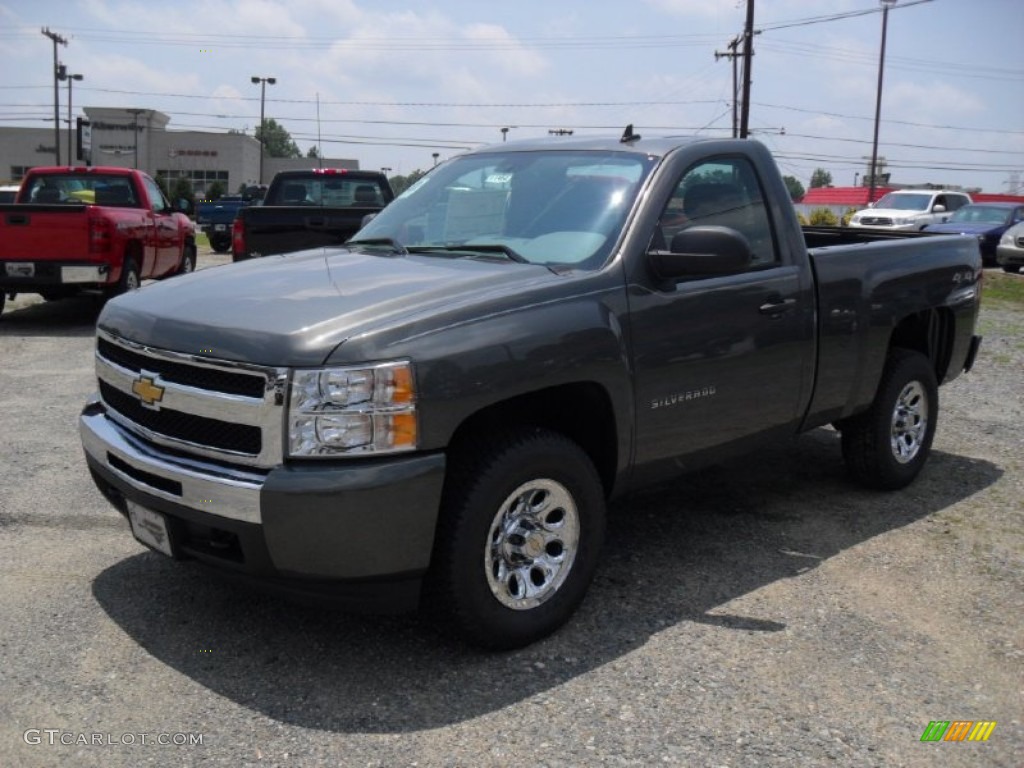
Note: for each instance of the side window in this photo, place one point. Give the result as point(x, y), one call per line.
point(723, 192)
point(160, 204)
point(955, 201)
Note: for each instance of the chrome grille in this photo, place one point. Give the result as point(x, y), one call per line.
point(211, 408)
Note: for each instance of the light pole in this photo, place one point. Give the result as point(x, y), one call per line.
point(65, 75)
point(435, 155)
point(504, 133)
point(135, 131)
point(386, 170)
point(263, 98)
point(886, 4)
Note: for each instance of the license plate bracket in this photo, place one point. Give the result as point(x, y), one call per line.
point(150, 528)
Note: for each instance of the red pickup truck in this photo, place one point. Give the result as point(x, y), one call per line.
point(73, 229)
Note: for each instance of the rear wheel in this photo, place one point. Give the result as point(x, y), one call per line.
point(3, 301)
point(887, 446)
point(1013, 269)
point(130, 278)
point(521, 525)
point(188, 260)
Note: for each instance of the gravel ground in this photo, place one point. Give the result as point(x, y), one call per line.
point(761, 613)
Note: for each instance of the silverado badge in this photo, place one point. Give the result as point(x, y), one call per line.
point(147, 390)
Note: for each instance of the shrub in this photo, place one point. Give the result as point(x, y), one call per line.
point(823, 217)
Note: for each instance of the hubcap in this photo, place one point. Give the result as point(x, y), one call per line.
point(909, 422)
point(532, 544)
point(131, 283)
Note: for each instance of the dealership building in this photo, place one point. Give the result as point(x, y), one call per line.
point(138, 138)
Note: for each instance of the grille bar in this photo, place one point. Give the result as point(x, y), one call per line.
point(198, 430)
point(228, 382)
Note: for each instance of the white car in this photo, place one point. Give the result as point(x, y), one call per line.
point(1010, 251)
point(909, 209)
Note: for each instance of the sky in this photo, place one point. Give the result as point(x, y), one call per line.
point(392, 82)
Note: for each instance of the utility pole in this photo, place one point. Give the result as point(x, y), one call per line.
point(57, 39)
point(748, 53)
point(733, 44)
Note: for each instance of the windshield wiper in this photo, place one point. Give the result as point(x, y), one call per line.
point(485, 248)
point(387, 242)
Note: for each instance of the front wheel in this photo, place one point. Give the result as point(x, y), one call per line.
point(522, 522)
point(887, 446)
point(1012, 269)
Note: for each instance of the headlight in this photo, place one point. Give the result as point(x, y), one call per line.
point(855, 219)
point(1006, 239)
point(357, 410)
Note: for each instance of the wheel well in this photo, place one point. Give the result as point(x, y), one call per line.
point(581, 411)
point(931, 333)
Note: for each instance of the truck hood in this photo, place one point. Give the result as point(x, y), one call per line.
point(964, 227)
point(295, 309)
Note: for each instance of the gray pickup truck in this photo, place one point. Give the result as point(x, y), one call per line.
point(437, 413)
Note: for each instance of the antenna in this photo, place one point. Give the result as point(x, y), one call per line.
point(628, 135)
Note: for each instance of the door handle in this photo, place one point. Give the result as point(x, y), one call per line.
point(777, 306)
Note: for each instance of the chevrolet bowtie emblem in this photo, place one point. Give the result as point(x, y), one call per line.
point(147, 390)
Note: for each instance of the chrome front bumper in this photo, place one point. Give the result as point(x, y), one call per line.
point(215, 489)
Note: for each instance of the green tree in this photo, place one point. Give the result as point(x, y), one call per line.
point(278, 141)
point(401, 183)
point(182, 190)
point(821, 178)
point(795, 188)
point(312, 152)
point(215, 191)
point(162, 183)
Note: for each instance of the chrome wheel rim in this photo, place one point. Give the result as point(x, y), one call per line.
point(909, 422)
point(532, 544)
point(131, 282)
point(188, 264)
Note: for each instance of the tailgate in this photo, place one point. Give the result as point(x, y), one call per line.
point(284, 229)
point(43, 232)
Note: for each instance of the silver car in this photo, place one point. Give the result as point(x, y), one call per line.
point(1010, 251)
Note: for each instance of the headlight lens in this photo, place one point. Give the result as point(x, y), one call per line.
point(357, 410)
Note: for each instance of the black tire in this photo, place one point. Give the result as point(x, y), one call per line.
point(130, 280)
point(3, 301)
point(505, 574)
point(188, 260)
point(1013, 269)
point(219, 247)
point(886, 447)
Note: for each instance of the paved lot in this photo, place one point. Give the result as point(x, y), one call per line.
point(765, 612)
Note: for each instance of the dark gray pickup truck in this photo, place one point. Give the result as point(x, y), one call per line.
point(437, 413)
point(308, 209)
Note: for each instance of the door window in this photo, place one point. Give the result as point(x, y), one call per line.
point(722, 192)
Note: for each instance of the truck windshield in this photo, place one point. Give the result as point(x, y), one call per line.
point(559, 208)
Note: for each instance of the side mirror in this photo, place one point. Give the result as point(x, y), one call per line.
point(940, 208)
point(701, 251)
